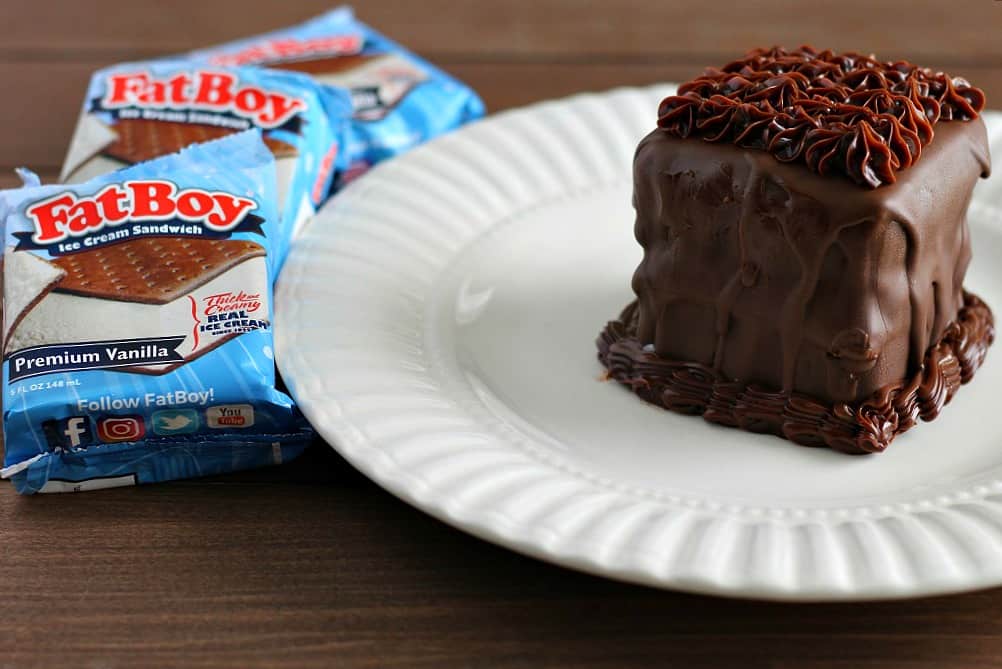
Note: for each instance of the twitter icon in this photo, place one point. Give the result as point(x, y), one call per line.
point(174, 421)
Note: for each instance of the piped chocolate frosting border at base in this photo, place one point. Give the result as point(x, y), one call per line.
point(866, 427)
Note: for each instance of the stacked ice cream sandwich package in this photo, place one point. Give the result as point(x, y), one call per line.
point(137, 294)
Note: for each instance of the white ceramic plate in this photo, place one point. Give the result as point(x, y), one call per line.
point(437, 322)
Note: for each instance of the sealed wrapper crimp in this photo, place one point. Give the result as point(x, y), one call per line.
point(138, 111)
point(399, 100)
point(137, 336)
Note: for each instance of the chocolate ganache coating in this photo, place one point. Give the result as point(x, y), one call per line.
point(788, 292)
point(769, 272)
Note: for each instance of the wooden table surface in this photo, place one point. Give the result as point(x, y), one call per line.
point(310, 564)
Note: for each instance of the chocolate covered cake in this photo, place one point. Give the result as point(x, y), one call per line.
point(802, 216)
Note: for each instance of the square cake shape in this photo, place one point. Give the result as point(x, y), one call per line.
point(828, 309)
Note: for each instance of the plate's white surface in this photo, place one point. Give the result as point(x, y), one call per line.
point(437, 321)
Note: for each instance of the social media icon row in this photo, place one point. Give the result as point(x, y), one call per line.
point(75, 431)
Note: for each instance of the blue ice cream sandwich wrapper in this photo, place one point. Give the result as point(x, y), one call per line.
point(137, 322)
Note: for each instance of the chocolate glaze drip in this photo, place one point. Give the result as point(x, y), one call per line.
point(837, 113)
point(863, 427)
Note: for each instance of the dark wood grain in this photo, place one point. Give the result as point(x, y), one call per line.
point(255, 572)
point(310, 564)
point(689, 30)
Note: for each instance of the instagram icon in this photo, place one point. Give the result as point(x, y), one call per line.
point(120, 428)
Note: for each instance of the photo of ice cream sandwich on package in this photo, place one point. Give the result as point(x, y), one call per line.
point(143, 288)
point(137, 292)
point(378, 82)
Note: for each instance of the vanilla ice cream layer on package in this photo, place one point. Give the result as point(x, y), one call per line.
point(137, 339)
point(134, 112)
point(398, 99)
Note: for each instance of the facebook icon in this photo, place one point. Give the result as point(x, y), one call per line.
point(72, 432)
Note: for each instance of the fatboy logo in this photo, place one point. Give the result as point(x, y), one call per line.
point(204, 91)
point(279, 50)
point(65, 215)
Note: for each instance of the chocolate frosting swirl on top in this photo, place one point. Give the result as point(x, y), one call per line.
point(838, 113)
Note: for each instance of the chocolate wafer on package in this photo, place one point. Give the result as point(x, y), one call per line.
point(137, 332)
point(138, 111)
point(399, 100)
point(139, 140)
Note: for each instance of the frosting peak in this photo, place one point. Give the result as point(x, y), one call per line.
point(838, 113)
